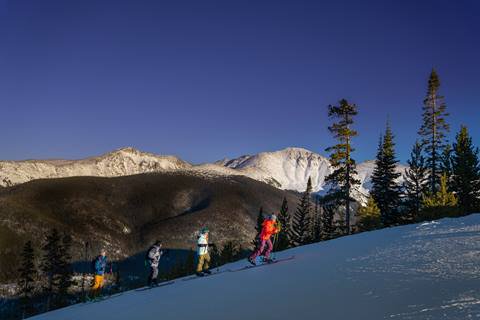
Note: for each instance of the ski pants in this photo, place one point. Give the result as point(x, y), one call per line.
point(97, 285)
point(153, 274)
point(261, 250)
point(203, 262)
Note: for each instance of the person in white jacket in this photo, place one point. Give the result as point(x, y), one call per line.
point(202, 252)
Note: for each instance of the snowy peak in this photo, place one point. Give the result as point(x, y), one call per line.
point(290, 169)
point(121, 162)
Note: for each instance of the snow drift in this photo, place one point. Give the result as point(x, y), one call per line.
point(423, 271)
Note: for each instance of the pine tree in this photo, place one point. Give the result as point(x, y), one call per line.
point(369, 216)
point(28, 275)
point(415, 183)
point(342, 180)
point(466, 172)
point(441, 204)
point(301, 219)
point(446, 165)
point(50, 266)
point(385, 190)
point(65, 270)
point(285, 221)
point(317, 221)
point(433, 130)
point(258, 226)
point(327, 213)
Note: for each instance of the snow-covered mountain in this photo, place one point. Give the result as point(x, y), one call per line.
point(290, 169)
point(122, 162)
point(287, 169)
point(415, 272)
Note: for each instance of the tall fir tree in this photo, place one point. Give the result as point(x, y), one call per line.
point(27, 277)
point(65, 270)
point(434, 130)
point(317, 221)
point(301, 219)
point(385, 190)
point(50, 266)
point(327, 213)
point(466, 172)
point(258, 226)
point(285, 221)
point(415, 184)
point(342, 180)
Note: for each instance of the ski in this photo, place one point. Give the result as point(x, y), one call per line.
point(162, 284)
point(263, 264)
point(205, 275)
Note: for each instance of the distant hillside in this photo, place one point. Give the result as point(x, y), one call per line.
point(126, 214)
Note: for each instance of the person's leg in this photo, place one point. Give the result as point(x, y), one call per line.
point(150, 276)
point(206, 261)
point(155, 275)
point(269, 247)
point(97, 285)
point(258, 250)
point(200, 263)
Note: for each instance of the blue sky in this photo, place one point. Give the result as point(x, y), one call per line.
point(205, 80)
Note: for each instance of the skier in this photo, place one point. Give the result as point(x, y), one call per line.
point(100, 264)
point(153, 257)
point(202, 253)
point(269, 228)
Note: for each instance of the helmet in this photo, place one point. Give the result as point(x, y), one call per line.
point(204, 230)
point(273, 217)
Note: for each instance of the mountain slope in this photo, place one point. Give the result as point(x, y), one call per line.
point(423, 271)
point(126, 214)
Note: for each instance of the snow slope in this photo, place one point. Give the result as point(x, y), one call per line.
point(424, 271)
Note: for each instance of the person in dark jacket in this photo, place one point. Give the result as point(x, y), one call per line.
point(100, 265)
point(153, 258)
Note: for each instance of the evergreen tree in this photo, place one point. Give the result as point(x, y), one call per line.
point(446, 165)
point(466, 172)
point(50, 265)
point(441, 204)
point(229, 253)
point(342, 180)
point(301, 219)
point(415, 183)
point(369, 216)
point(258, 226)
point(328, 209)
point(28, 275)
point(285, 221)
point(317, 221)
point(65, 270)
point(385, 190)
point(433, 130)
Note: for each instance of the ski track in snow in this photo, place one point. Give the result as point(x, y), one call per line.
point(424, 272)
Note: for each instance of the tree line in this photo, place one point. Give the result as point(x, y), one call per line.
point(441, 180)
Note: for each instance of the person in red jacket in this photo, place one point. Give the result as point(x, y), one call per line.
point(268, 229)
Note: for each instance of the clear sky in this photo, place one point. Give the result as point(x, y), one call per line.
point(205, 79)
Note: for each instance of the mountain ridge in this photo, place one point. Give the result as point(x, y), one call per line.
point(287, 169)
